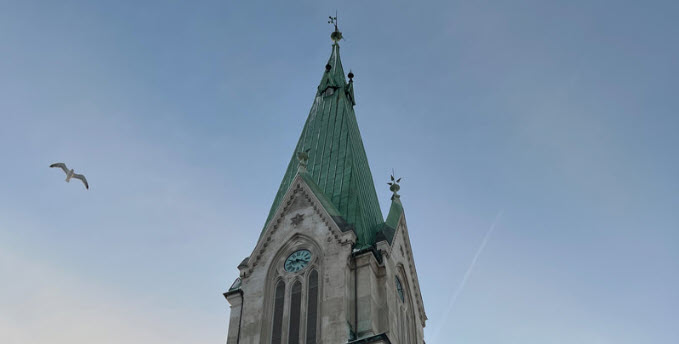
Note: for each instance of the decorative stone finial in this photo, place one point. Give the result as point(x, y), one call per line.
point(303, 158)
point(336, 36)
point(394, 187)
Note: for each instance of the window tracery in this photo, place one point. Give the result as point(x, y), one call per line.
point(295, 299)
point(279, 298)
point(295, 310)
point(312, 307)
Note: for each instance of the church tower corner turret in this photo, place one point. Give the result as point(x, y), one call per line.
point(327, 268)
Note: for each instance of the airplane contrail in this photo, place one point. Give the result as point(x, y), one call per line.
point(467, 274)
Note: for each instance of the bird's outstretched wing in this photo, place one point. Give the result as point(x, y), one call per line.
point(81, 177)
point(62, 165)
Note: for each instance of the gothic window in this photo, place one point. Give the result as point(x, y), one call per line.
point(295, 308)
point(399, 288)
point(312, 308)
point(405, 311)
point(276, 334)
point(295, 299)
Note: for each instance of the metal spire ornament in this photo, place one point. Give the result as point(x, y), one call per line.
point(336, 36)
point(394, 187)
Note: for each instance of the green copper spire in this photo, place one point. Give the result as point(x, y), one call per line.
point(334, 155)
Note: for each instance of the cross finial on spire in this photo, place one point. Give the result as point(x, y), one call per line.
point(336, 36)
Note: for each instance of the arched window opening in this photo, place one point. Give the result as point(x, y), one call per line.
point(312, 308)
point(276, 332)
point(294, 302)
point(399, 289)
point(295, 305)
point(407, 332)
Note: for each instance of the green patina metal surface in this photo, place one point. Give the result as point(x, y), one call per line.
point(388, 228)
point(395, 213)
point(320, 194)
point(337, 165)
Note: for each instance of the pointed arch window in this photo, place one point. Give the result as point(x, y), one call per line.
point(407, 332)
point(399, 288)
point(295, 300)
point(279, 299)
point(295, 308)
point(312, 308)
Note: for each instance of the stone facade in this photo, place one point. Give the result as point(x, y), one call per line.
point(357, 289)
point(328, 268)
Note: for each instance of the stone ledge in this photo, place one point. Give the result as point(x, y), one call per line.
point(378, 338)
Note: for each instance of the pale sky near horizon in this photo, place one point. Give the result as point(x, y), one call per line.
point(560, 116)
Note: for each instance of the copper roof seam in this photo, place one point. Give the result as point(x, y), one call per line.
point(314, 106)
point(365, 177)
point(337, 148)
point(317, 133)
point(346, 142)
point(333, 149)
point(322, 133)
point(321, 184)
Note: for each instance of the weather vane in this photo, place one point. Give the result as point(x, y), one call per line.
point(393, 186)
point(336, 36)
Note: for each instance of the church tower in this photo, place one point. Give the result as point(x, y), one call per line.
point(327, 267)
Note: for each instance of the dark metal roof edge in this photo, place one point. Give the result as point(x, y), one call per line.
point(385, 233)
point(373, 339)
point(244, 262)
point(373, 249)
point(232, 292)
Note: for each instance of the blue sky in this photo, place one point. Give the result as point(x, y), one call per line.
point(560, 116)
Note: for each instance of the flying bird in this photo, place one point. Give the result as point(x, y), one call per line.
point(70, 174)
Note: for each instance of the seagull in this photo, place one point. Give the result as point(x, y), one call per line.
point(70, 174)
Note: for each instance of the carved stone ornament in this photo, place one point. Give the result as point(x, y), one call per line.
point(297, 219)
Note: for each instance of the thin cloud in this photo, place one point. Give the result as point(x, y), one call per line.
point(468, 273)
